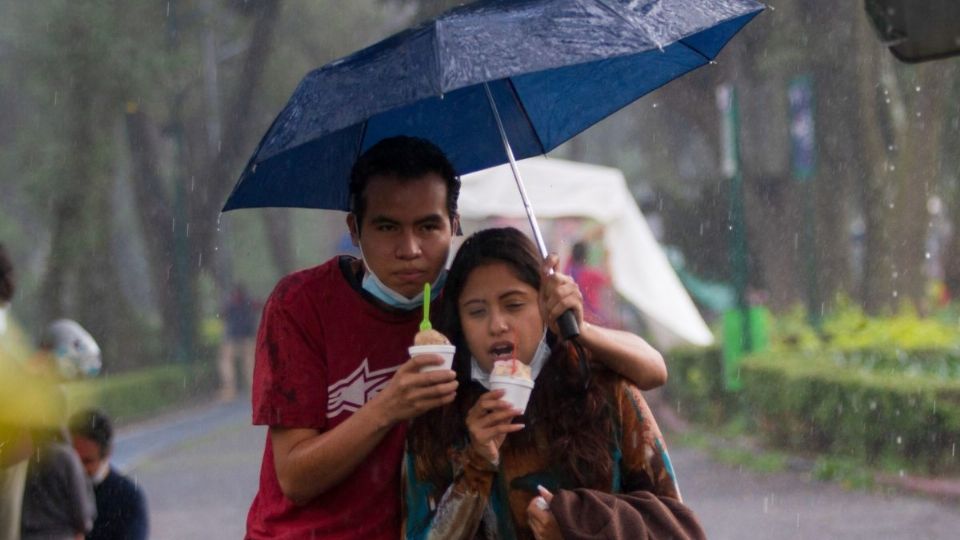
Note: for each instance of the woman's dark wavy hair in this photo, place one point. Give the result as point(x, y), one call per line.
point(570, 419)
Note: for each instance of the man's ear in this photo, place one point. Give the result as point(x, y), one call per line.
point(455, 226)
point(354, 230)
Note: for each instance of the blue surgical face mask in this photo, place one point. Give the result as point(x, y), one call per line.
point(540, 357)
point(372, 284)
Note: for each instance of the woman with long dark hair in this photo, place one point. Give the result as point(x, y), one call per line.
point(477, 468)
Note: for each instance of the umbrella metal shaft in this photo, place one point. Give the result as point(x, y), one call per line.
point(516, 176)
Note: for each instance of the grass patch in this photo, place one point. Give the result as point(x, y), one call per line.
point(849, 473)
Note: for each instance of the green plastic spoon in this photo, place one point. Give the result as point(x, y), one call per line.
point(425, 323)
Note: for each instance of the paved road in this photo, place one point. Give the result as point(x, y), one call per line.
point(200, 469)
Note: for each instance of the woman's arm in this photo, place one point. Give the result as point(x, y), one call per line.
point(623, 352)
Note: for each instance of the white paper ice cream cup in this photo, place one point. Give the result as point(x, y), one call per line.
point(443, 351)
point(517, 391)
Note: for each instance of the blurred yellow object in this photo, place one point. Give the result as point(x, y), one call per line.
point(25, 400)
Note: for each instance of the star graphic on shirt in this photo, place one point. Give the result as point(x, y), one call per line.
point(351, 392)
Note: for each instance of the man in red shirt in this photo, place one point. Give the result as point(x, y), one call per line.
point(333, 381)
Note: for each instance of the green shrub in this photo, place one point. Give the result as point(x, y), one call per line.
point(807, 402)
point(139, 394)
point(695, 384)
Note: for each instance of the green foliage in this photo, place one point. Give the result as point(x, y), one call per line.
point(695, 384)
point(904, 343)
point(792, 332)
point(763, 462)
point(806, 402)
point(850, 329)
point(848, 472)
point(143, 393)
point(878, 392)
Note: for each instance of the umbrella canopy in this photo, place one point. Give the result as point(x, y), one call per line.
point(554, 68)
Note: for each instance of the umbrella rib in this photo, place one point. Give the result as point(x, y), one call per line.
point(706, 58)
point(523, 108)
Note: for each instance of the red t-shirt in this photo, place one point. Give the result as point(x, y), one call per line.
point(323, 350)
point(594, 286)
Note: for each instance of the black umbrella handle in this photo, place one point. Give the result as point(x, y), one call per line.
point(568, 325)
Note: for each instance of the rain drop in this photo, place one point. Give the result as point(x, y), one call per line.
point(654, 104)
point(899, 439)
point(917, 88)
point(896, 294)
point(927, 255)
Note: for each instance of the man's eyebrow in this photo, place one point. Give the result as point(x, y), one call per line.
point(432, 218)
point(383, 220)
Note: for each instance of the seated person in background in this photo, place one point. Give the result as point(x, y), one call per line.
point(471, 471)
point(121, 506)
point(57, 500)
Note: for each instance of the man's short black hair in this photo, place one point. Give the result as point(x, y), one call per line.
point(579, 252)
point(406, 158)
point(95, 425)
point(6, 276)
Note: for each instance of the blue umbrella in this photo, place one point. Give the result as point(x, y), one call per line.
point(552, 68)
point(486, 82)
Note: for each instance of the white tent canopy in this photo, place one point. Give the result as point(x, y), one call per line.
point(638, 266)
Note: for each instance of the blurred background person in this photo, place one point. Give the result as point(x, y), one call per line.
point(67, 352)
point(240, 329)
point(15, 443)
point(595, 285)
point(121, 504)
point(58, 500)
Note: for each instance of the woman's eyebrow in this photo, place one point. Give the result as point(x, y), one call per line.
point(513, 292)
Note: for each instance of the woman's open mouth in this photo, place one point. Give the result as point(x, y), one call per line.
point(502, 351)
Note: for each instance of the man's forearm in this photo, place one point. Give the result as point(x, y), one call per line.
point(627, 354)
point(309, 463)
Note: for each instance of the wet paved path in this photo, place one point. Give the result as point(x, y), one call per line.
point(200, 469)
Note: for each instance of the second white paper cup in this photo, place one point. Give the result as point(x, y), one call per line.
point(517, 391)
point(443, 351)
